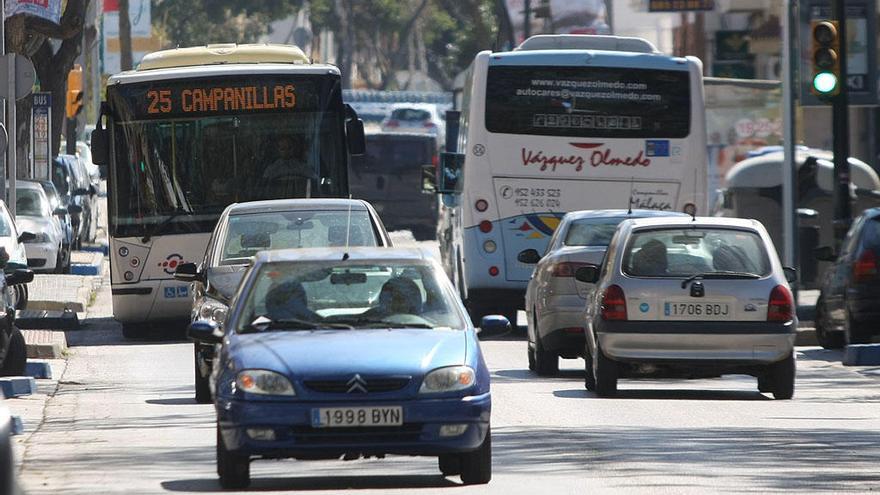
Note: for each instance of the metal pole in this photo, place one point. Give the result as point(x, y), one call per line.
point(11, 165)
point(840, 127)
point(3, 107)
point(527, 19)
point(789, 169)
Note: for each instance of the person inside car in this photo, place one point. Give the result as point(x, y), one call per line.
point(288, 301)
point(650, 260)
point(399, 295)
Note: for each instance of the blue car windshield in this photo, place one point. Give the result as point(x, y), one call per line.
point(348, 295)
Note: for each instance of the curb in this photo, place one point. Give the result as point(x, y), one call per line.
point(16, 386)
point(806, 336)
point(861, 355)
point(38, 369)
point(92, 267)
point(17, 425)
point(97, 248)
point(45, 344)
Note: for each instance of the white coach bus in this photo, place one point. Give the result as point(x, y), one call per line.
point(193, 130)
point(563, 123)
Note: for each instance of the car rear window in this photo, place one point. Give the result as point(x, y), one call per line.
point(410, 114)
point(692, 251)
point(592, 231)
point(871, 234)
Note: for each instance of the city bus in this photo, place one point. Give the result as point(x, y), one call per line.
point(562, 123)
point(192, 130)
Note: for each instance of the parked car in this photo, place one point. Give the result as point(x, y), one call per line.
point(554, 300)
point(63, 212)
point(33, 214)
point(690, 298)
point(423, 118)
point(389, 176)
point(90, 203)
point(245, 228)
point(348, 352)
point(66, 178)
point(12, 243)
point(13, 350)
point(8, 483)
point(847, 309)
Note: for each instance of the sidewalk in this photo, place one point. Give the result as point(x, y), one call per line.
point(62, 292)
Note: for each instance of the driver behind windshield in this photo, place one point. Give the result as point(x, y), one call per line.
point(288, 301)
point(399, 295)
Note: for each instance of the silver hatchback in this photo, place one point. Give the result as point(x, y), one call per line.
point(690, 298)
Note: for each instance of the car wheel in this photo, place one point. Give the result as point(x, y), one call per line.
point(234, 470)
point(605, 373)
point(21, 296)
point(16, 356)
point(765, 384)
point(782, 375)
point(531, 356)
point(476, 466)
point(202, 385)
point(59, 261)
point(546, 362)
point(854, 335)
point(825, 337)
point(589, 377)
point(450, 464)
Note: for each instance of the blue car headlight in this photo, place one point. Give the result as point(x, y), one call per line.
point(263, 382)
point(449, 379)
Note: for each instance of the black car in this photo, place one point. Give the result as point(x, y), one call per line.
point(13, 350)
point(847, 310)
point(390, 178)
point(73, 189)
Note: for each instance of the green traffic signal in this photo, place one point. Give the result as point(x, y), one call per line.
point(825, 82)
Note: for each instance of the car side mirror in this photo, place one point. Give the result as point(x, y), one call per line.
point(587, 274)
point(354, 130)
point(825, 253)
point(187, 272)
point(449, 172)
point(494, 324)
point(528, 256)
point(26, 237)
point(19, 276)
point(74, 209)
point(790, 274)
point(429, 179)
point(205, 331)
point(93, 190)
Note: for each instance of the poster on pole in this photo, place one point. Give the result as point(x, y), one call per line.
point(44, 9)
point(41, 139)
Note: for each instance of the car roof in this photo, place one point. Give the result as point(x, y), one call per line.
point(271, 205)
point(686, 221)
point(355, 254)
point(26, 184)
point(636, 213)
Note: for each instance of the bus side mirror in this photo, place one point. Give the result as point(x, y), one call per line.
point(354, 130)
point(429, 179)
point(100, 147)
point(449, 172)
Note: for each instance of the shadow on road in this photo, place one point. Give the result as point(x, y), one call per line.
point(317, 483)
point(176, 401)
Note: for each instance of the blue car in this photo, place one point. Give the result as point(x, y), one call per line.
point(345, 353)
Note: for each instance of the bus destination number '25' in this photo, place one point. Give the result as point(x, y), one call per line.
point(160, 101)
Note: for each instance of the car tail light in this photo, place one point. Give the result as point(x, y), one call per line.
point(781, 306)
point(429, 125)
point(485, 226)
point(865, 268)
point(435, 161)
point(494, 271)
point(392, 123)
point(613, 304)
point(565, 269)
point(481, 205)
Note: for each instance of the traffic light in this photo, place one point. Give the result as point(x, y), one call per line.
point(825, 58)
point(74, 103)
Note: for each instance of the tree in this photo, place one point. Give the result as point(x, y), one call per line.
point(32, 37)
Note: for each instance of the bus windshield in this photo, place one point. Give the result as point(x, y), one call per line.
point(591, 102)
point(186, 149)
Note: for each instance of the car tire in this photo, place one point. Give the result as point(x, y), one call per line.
point(825, 337)
point(476, 466)
point(589, 377)
point(21, 296)
point(234, 470)
point(202, 383)
point(854, 335)
point(605, 373)
point(782, 376)
point(16, 356)
point(450, 464)
point(765, 384)
point(546, 362)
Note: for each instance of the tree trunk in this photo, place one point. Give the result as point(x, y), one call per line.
point(125, 54)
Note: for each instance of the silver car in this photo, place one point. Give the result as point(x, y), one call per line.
point(690, 298)
point(33, 213)
point(554, 300)
point(246, 228)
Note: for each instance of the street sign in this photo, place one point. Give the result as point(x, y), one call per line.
point(25, 76)
point(861, 50)
point(41, 140)
point(680, 5)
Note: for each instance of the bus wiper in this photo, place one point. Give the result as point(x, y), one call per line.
point(161, 225)
point(719, 275)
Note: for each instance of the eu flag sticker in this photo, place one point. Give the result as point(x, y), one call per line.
point(657, 147)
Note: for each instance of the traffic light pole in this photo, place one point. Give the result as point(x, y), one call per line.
point(840, 130)
point(70, 136)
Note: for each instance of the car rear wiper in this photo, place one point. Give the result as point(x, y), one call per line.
point(161, 225)
point(719, 275)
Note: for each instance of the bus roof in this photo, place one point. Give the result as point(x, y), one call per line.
point(587, 42)
point(227, 53)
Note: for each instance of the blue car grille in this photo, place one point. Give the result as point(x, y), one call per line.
point(368, 385)
point(342, 436)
